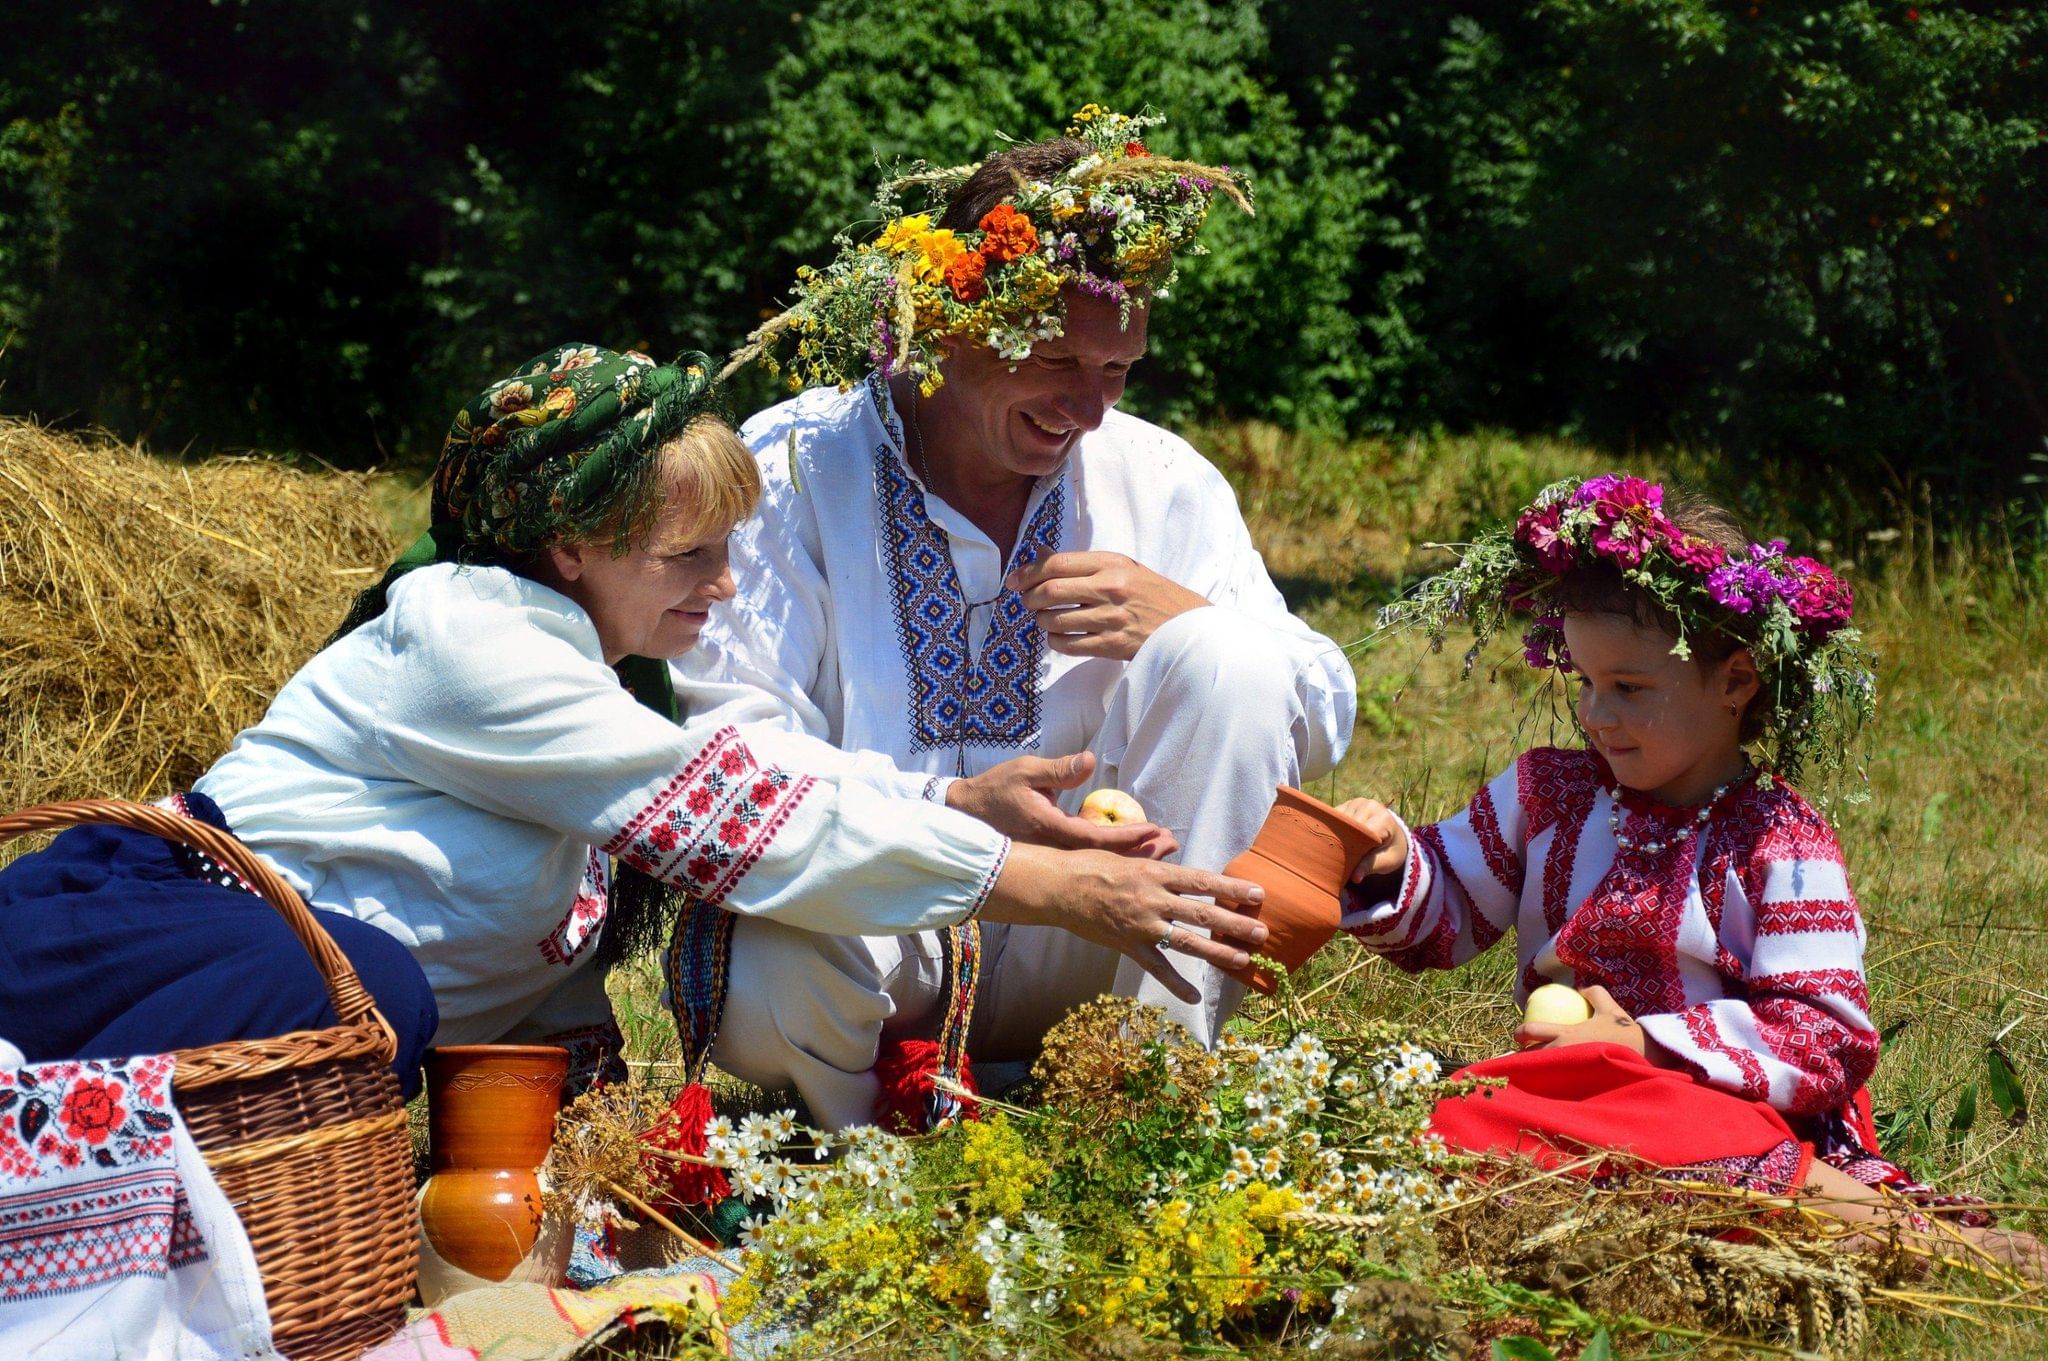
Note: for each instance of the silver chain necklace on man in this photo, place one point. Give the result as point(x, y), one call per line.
point(923, 465)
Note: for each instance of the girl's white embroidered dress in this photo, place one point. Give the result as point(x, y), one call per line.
point(1738, 948)
point(458, 770)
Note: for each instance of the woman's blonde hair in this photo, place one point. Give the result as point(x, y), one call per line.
point(703, 467)
point(708, 469)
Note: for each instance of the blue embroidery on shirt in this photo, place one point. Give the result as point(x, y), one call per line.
point(956, 700)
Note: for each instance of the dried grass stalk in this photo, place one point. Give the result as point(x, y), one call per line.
point(149, 609)
point(1698, 1257)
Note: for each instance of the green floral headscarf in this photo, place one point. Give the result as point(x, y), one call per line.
point(558, 452)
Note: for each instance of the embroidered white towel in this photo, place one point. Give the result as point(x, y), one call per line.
point(115, 1240)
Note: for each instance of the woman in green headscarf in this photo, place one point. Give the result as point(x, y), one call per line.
point(494, 729)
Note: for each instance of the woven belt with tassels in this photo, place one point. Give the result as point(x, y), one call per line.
point(697, 967)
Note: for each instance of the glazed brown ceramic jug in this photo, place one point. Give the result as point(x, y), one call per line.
point(1302, 858)
point(490, 1118)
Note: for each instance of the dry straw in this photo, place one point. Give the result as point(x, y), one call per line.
point(150, 608)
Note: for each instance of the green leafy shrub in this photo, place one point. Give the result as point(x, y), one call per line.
point(1807, 235)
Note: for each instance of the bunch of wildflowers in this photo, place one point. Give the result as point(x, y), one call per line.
point(1111, 225)
point(1791, 612)
point(1034, 1224)
point(1347, 1141)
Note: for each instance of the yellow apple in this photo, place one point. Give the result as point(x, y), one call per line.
point(1556, 1004)
point(1108, 807)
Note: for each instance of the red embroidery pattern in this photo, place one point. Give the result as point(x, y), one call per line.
point(1833, 1059)
point(88, 1189)
point(1701, 1030)
point(1557, 789)
point(1817, 984)
point(57, 1116)
point(709, 824)
point(1773, 1171)
point(60, 1240)
point(1785, 919)
point(1558, 863)
point(198, 863)
point(1556, 786)
point(1625, 935)
point(1414, 951)
point(586, 915)
point(1502, 860)
point(1768, 822)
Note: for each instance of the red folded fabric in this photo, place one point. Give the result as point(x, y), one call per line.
point(1560, 1104)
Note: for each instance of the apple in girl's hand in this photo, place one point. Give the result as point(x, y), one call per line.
point(1111, 807)
point(1556, 1004)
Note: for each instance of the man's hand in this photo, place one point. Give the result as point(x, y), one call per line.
point(1017, 799)
point(1099, 604)
point(1609, 1024)
point(1388, 859)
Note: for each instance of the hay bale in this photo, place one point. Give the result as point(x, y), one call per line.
point(149, 609)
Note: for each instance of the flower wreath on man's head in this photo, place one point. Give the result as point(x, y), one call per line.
point(1792, 613)
point(1111, 225)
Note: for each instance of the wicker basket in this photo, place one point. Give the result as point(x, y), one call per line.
point(305, 1132)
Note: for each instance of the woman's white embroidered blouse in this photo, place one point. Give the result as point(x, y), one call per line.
point(458, 771)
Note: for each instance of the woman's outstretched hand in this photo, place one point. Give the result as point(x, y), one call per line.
point(1017, 799)
point(1131, 906)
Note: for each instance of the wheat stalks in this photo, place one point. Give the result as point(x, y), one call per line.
point(941, 178)
point(1332, 1223)
point(759, 340)
point(1918, 1297)
point(1131, 168)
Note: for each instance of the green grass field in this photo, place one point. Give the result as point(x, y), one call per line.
point(1950, 869)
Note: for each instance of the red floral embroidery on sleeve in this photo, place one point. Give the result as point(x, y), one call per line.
point(708, 825)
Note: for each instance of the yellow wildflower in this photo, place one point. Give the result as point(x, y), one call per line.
point(993, 1154)
point(1147, 253)
point(1266, 1205)
point(902, 234)
point(936, 250)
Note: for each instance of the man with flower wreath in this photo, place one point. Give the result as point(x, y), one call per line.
point(990, 588)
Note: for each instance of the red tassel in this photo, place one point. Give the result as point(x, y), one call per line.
point(681, 1130)
point(905, 1068)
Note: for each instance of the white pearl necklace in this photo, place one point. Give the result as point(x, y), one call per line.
point(1629, 845)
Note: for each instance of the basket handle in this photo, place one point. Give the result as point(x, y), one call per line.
point(352, 1001)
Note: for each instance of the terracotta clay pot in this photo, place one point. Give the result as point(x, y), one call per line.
point(490, 1118)
point(1302, 858)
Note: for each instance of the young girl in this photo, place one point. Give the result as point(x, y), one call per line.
point(1695, 900)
